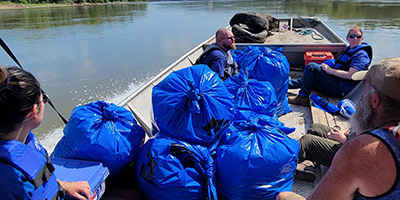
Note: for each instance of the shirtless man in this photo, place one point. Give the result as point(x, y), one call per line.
point(367, 166)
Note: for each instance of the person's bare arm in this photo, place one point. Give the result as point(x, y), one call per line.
point(338, 72)
point(363, 164)
point(289, 196)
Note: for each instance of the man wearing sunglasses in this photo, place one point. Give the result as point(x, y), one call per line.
point(333, 77)
point(217, 55)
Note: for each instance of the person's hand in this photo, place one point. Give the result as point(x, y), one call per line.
point(326, 68)
point(77, 190)
point(338, 135)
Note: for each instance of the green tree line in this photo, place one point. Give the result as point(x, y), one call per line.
point(64, 1)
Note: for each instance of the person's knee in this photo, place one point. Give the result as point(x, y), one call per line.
point(318, 130)
point(305, 140)
point(313, 67)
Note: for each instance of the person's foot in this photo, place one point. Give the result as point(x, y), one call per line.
point(299, 100)
point(305, 171)
point(295, 84)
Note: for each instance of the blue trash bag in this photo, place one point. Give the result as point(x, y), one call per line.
point(168, 168)
point(251, 94)
point(192, 104)
point(103, 132)
point(255, 160)
point(272, 121)
point(238, 56)
point(269, 65)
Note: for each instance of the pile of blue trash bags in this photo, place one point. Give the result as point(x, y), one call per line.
point(265, 64)
point(103, 132)
point(215, 139)
point(210, 139)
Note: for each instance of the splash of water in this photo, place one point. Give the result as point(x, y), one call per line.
point(51, 138)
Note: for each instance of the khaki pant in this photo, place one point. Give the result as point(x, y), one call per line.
point(316, 146)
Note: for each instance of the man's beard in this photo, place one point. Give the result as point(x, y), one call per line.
point(363, 119)
point(233, 46)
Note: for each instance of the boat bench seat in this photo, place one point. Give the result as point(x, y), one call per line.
point(322, 117)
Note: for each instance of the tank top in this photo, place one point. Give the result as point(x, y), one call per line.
point(390, 137)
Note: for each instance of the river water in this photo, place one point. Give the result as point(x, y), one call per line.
point(82, 54)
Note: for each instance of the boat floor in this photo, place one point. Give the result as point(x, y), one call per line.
point(283, 36)
point(124, 186)
point(296, 37)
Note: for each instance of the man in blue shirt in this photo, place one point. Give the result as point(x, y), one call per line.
point(217, 55)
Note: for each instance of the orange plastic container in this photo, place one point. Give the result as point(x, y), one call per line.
point(317, 56)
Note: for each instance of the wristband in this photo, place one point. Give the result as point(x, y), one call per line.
point(68, 186)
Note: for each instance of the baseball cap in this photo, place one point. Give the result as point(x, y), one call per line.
point(384, 76)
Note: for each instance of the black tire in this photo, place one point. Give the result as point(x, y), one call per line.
point(273, 22)
point(253, 22)
point(244, 36)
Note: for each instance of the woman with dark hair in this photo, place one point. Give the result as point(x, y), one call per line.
point(334, 78)
point(27, 170)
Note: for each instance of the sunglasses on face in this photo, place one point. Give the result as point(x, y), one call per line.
point(229, 38)
point(352, 36)
point(46, 98)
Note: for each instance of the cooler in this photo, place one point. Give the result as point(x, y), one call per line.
point(79, 170)
point(317, 56)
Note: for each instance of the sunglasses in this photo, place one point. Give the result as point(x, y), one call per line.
point(229, 38)
point(352, 36)
point(46, 98)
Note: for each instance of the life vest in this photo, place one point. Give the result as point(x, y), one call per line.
point(344, 60)
point(230, 65)
point(33, 161)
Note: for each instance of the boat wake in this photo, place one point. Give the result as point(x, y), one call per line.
point(50, 139)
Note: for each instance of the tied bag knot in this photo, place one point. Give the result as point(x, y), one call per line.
point(194, 98)
point(109, 112)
